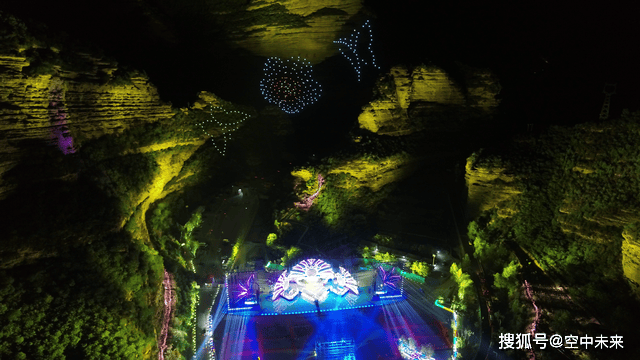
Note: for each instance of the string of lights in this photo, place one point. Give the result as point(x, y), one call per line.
point(226, 127)
point(289, 84)
point(349, 48)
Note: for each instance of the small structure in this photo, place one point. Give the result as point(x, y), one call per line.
point(609, 89)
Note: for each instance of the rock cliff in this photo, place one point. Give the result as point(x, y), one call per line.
point(67, 117)
point(581, 181)
point(374, 174)
point(631, 256)
point(488, 188)
point(426, 97)
point(82, 105)
point(286, 28)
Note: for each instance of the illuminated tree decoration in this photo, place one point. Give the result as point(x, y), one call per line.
point(351, 47)
point(225, 127)
point(289, 84)
point(245, 288)
point(389, 278)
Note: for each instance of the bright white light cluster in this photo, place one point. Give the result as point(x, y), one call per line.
point(313, 279)
point(289, 84)
point(349, 48)
point(226, 128)
point(311, 268)
point(281, 285)
point(345, 279)
point(409, 350)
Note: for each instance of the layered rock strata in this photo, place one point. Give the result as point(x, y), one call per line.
point(88, 101)
point(427, 97)
point(374, 174)
point(489, 188)
point(286, 28)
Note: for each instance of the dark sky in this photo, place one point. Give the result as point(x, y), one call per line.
point(552, 58)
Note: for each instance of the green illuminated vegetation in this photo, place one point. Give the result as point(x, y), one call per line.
point(575, 191)
point(385, 257)
point(355, 184)
point(271, 239)
point(290, 255)
point(465, 296)
point(96, 302)
point(420, 268)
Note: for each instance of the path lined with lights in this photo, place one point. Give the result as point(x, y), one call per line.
point(534, 325)
point(289, 84)
point(306, 203)
point(351, 43)
point(169, 303)
point(227, 128)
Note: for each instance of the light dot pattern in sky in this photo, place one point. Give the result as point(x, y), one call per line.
point(351, 48)
point(225, 127)
point(289, 84)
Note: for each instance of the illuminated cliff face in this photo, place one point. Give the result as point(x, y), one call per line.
point(286, 28)
point(488, 188)
point(69, 105)
point(374, 174)
point(631, 257)
point(415, 99)
point(59, 114)
point(580, 181)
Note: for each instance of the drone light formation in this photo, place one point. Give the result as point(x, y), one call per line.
point(227, 128)
point(289, 84)
point(349, 48)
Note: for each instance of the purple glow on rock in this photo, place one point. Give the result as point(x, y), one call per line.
point(306, 203)
point(389, 279)
point(59, 132)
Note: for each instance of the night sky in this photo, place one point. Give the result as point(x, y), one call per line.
point(552, 60)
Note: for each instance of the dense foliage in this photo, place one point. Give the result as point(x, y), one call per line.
point(95, 302)
point(580, 189)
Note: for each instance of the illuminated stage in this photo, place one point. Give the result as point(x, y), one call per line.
point(322, 309)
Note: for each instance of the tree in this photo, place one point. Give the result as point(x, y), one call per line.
point(464, 282)
point(506, 280)
point(385, 257)
point(420, 268)
point(366, 253)
point(271, 239)
point(290, 254)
